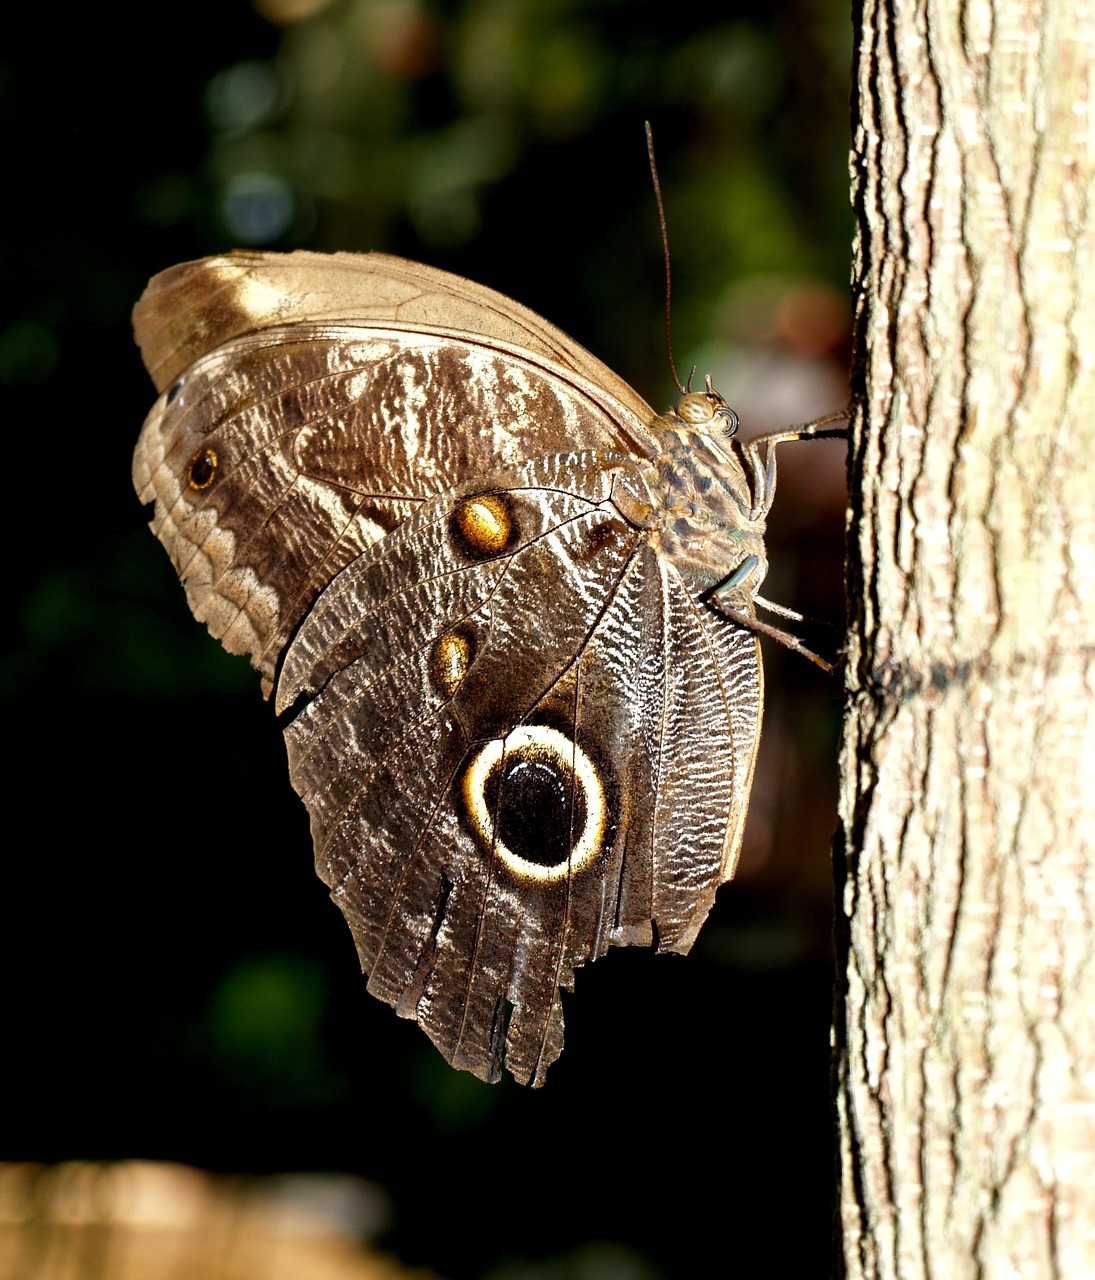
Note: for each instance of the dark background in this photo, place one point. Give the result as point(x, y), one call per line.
point(176, 983)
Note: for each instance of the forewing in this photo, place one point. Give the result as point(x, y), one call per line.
point(191, 308)
point(278, 456)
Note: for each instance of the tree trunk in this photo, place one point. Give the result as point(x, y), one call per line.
point(966, 1029)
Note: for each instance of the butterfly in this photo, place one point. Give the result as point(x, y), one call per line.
point(506, 611)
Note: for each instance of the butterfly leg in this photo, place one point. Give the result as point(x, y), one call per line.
point(723, 599)
point(764, 464)
point(785, 638)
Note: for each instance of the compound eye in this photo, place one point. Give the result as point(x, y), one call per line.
point(696, 408)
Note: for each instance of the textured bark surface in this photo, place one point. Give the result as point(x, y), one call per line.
point(966, 1044)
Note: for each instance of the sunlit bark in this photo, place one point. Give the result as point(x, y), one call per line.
point(966, 1037)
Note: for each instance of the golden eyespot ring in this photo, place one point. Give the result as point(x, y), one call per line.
point(537, 742)
point(203, 468)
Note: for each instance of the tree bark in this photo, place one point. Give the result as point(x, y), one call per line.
point(965, 1033)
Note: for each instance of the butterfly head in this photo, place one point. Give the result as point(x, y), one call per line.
point(707, 409)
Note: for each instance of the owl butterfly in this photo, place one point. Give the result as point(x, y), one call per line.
point(504, 607)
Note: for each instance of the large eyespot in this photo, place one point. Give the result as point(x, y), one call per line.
point(203, 468)
point(535, 802)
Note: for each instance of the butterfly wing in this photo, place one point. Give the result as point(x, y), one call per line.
point(194, 307)
point(310, 402)
point(517, 752)
point(425, 513)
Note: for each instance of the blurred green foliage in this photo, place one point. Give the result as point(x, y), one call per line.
point(509, 133)
point(262, 1034)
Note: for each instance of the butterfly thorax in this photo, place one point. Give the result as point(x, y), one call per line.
point(710, 520)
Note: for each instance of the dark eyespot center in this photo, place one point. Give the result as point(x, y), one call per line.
point(539, 808)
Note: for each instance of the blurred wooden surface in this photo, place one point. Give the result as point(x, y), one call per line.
point(139, 1220)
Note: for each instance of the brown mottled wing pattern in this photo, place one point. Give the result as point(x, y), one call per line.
point(615, 714)
point(328, 423)
point(450, 540)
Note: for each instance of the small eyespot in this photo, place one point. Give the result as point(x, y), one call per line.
point(449, 661)
point(203, 468)
point(483, 524)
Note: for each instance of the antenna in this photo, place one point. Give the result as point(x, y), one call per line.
point(665, 251)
